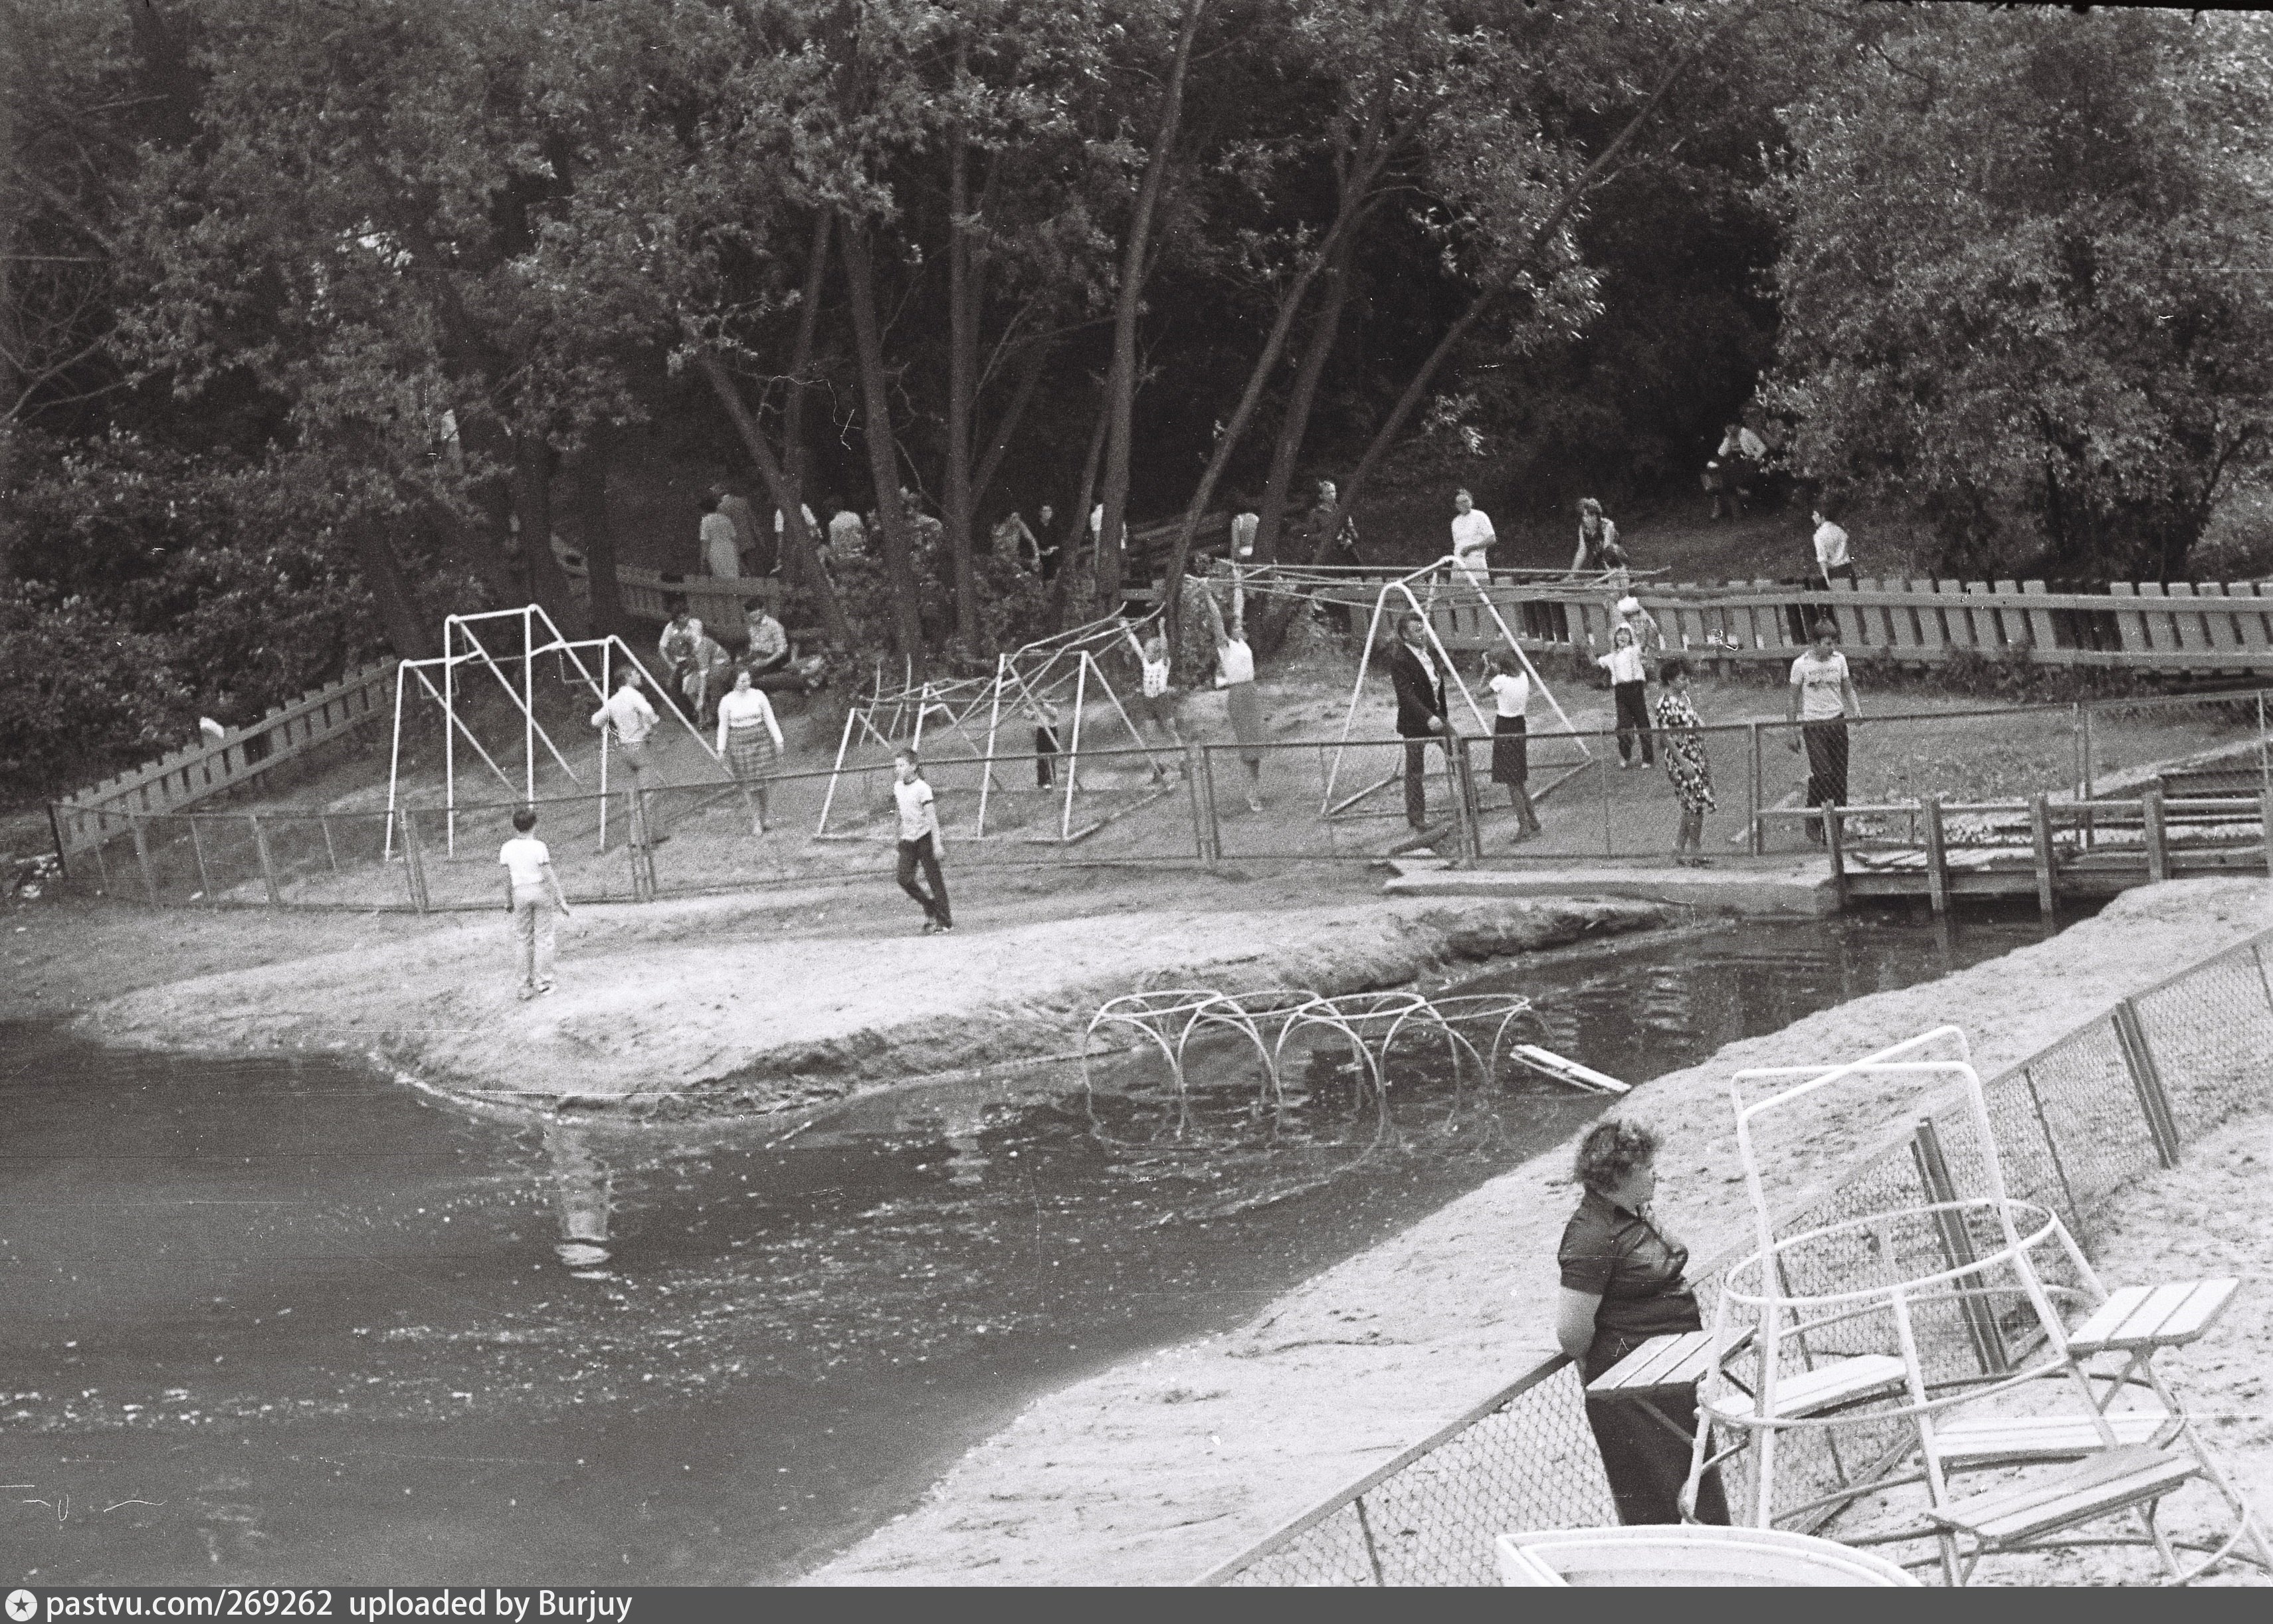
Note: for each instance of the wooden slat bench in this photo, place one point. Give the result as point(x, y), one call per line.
point(1658, 1365)
point(2137, 1318)
point(2008, 1517)
point(1997, 1439)
point(1828, 1386)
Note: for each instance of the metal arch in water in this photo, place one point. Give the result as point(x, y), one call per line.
point(1247, 1012)
point(1462, 1008)
point(1350, 1014)
point(1171, 1016)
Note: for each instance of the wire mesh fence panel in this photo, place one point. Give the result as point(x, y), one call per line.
point(2190, 744)
point(339, 859)
point(1530, 1464)
point(2208, 1034)
point(1326, 800)
point(2091, 1108)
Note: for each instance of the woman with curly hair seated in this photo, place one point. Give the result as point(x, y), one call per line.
point(1622, 1285)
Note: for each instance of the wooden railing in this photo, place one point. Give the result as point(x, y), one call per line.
point(2205, 627)
point(200, 772)
point(646, 594)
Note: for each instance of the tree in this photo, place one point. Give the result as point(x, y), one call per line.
point(2024, 285)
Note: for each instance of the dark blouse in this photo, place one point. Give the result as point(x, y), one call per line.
point(1634, 1266)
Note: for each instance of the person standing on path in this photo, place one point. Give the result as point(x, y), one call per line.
point(1832, 560)
point(1242, 701)
point(1621, 1284)
point(1684, 760)
point(534, 898)
point(1472, 540)
point(1510, 691)
point(920, 842)
point(1822, 697)
point(1630, 689)
point(749, 740)
point(722, 549)
point(1420, 709)
point(634, 719)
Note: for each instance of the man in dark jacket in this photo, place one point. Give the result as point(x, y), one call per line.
point(1417, 671)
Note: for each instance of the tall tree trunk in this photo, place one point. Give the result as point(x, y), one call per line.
point(884, 450)
point(1275, 619)
point(966, 300)
point(587, 497)
point(1069, 559)
point(1120, 383)
point(1294, 426)
point(803, 545)
point(532, 504)
point(1364, 168)
point(382, 573)
point(795, 459)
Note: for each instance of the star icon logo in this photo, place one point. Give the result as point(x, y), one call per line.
point(22, 1606)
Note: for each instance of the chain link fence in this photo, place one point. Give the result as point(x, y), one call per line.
point(2073, 1123)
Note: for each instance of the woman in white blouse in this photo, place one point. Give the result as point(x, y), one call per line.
point(1471, 539)
point(749, 739)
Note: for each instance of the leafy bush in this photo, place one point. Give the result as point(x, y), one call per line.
point(80, 694)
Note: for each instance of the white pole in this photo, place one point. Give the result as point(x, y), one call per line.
point(843, 745)
point(529, 706)
point(1529, 669)
point(449, 737)
point(993, 719)
point(1073, 759)
point(394, 762)
point(1357, 690)
point(604, 731)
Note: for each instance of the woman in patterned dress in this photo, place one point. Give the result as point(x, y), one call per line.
point(1682, 735)
point(749, 739)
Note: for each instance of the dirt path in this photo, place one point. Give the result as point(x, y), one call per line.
point(1153, 1471)
point(736, 1006)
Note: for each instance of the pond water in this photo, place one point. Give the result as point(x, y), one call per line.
point(282, 1321)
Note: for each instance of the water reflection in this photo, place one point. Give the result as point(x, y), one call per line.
point(582, 1184)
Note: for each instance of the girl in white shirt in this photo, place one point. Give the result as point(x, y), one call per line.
point(1629, 688)
point(1510, 691)
point(1471, 539)
point(749, 739)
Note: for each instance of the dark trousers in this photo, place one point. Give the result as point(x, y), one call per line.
point(1826, 769)
point(1839, 572)
point(1645, 1463)
point(920, 851)
point(1045, 758)
point(1633, 719)
point(1417, 781)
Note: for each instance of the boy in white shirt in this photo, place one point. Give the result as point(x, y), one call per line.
point(533, 897)
point(1822, 698)
point(921, 841)
point(1832, 562)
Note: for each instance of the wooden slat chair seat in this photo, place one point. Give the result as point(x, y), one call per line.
point(1986, 1440)
point(1661, 1363)
point(1826, 1386)
point(2137, 1318)
point(2113, 1480)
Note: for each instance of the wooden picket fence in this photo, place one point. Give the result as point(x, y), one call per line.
point(198, 772)
point(2202, 627)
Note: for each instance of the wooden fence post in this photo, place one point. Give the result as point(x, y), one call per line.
point(1937, 858)
point(267, 864)
point(1981, 1328)
point(1834, 833)
point(2147, 1079)
point(142, 855)
point(2158, 850)
point(197, 848)
point(1760, 828)
point(2040, 834)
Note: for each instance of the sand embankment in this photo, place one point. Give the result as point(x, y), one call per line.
point(1157, 1469)
point(720, 1016)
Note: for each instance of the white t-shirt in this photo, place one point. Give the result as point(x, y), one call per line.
point(1156, 676)
point(1472, 533)
point(524, 857)
point(628, 708)
point(1510, 695)
point(917, 815)
point(1234, 663)
point(1624, 664)
point(1830, 545)
point(1820, 682)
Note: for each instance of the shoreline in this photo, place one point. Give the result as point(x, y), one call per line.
point(707, 1024)
point(1163, 1467)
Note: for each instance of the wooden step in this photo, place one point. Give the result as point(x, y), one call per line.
point(2164, 1316)
point(1979, 1441)
point(2105, 1482)
point(1826, 1386)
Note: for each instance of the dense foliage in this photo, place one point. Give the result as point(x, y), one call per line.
point(314, 320)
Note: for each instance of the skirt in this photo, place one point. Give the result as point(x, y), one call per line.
point(1246, 708)
point(1511, 750)
point(749, 750)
